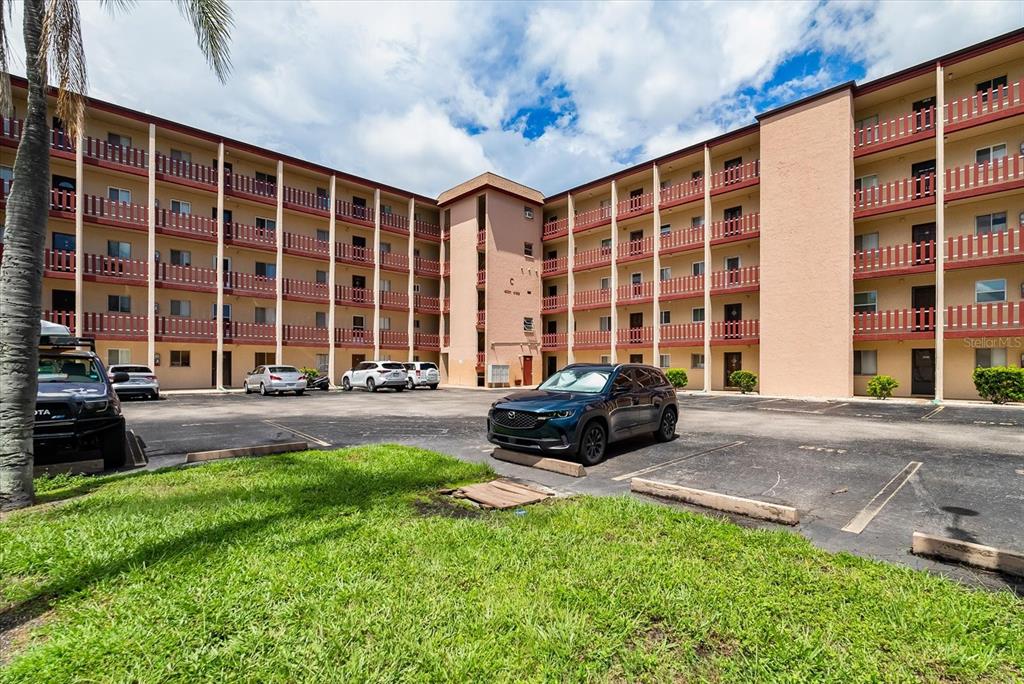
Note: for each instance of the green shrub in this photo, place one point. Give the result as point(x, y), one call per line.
point(677, 376)
point(882, 386)
point(1000, 384)
point(310, 374)
point(743, 379)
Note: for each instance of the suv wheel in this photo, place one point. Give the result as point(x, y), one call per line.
point(113, 445)
point(371, 385)
point(263, 390)
point(434, 386)
point(593, 443)
point(667, 427)
point(346, 385)
point(410, 384)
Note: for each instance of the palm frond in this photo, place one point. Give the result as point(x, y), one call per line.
point(62, 47)
point(6, 14)
point(114, 6)
point(212, 21)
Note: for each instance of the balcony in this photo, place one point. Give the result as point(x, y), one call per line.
point(430, 341)
point(112, 326)
point(636, 249)
point(902, 130)
point(682, 193)
point(250, 333)
point(56, 263)
point(895, 324)
point(104, 211)
point(596, 257)
point(554, 303)
point(186, 173)
point(554, 340)
point(304, 291)
point(682, 240)
point(555, 228)
point(426, 304)
point(394, 223)
point(353, 296)
point(592, 299)
point(353, 337)
point(304, 200)
point(982, 179)
point(745, 227)
point(481, 359)
point(555, 266)
point(184, 329)
point(251, 285)
point(682, 334)
point(745, 279)
point(249, 188)
point(635, 337)
point(736, 177)
point(426, 267)
point(893, 260)
point(186, 225)
point(481, 319)
point(906, 193)
point(242, 235)
point(394, 261)
point(354, 213)
point(427, 230)
point(481, 277)
point(635, 293)
point(635, 205)
point(985, 250)
point(394, 300)
point(592, 218)
point(986, 106)
point(592, 339)
point(394, 339)
point(102, 268)
point(683, 287)
point(102, 153)
point(353, 254)
point(186, 277)
point(305, 246)
point(481, 238)
point(735, 332)
point(303, 335)
point(996, 319)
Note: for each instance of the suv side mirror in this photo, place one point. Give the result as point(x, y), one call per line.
point(119, 378)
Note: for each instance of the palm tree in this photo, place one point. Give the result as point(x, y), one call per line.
point(53, 37)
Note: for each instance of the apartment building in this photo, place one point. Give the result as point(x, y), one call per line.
point(871, 228)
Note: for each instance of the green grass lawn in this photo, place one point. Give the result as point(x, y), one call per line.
point(340, 566)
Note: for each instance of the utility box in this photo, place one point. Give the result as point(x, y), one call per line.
point(497, 375)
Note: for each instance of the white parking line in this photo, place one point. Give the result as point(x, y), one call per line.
point(298, 433)
point(878, 502)
point(649, 469)
point(932, 413)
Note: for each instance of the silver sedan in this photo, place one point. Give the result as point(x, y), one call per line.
point(274, 380)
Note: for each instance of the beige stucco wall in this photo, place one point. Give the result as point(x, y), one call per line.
point(806, 218)
point(462, 255)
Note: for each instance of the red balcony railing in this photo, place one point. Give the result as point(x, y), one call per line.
point(61, 201)
point(173, 327)
point(899, 131)
point(102, 266)
point(427, 267)
point(10, 130)
point(896, 323)
point(250, 236)
point(592, 298)
point(735, 331)
point(186, 276)
point(554, 303)
point(635, 292)
point(66, 318)
point(998, 318)
point(426, 304)
point(394, 223)
point(56, 261)
point(304, 334)
point(594, 257)
point(636, 249)
point(108, 211)
point(239, 331)
point(304, 199)
point(481, 359)
point(987, 105)
point(555, 228)
point(635, 336)
point(352, 254)
point(682, 240)
point(186, 225)
point(197, 174)
point(394, 338)
point(304, 289)
point(744, 227)
point(354, 337)
point(554, 340)
point(354, 212)
point(306, 245)
point(592, 217)
point(634, 206)
point(680, 193)
point(900, 194)
point(894, 259)
point(592, 338)
point(101, 150)
point(555, 265)
point(481, 318)
point(427, 229)
point(678, 334)
point(481, 277)
point(393, 299)
point(249, 284)
point(746, 278)
point(248, 186)
point(980, 179)
point(736, 176)
point(113, 326)
point(426, 341)
point(355, 296)
point(994, 248)
point(682, 287)
point(394, 261)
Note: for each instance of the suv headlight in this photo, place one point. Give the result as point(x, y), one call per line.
point(567, 413)
point(97, 406)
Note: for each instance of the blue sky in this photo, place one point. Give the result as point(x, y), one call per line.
point(427, 95)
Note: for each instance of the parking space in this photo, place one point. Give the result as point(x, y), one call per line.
point(864, 476)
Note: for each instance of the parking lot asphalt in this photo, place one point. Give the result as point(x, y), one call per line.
point(864, 476)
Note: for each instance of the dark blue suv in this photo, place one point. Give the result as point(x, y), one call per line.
point(583, 407)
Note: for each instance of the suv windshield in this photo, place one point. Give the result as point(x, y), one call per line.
point(68, 369)
point(585, 380)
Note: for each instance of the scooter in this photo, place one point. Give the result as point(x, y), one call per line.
point(320, 382)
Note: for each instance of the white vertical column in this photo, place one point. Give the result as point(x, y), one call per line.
point(332, 280)
point(656, 309)
point(279, 280)
point(614, 280)
point(376, 273)
point(151, 252)
point(411, 323)
point(570, 338)
point(940, 230)
point(707, 269)
point(219, 317)
point(79, 237)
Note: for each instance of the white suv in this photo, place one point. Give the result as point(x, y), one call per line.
point(375, 374)
point(422, 374)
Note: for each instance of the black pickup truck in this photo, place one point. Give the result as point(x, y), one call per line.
point(78, 414)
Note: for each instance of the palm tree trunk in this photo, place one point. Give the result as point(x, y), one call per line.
point(21, 277)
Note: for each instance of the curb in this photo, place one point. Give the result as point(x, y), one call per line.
point(968, 553)
point(552, 464)
point(751, 508)
point(264, 450)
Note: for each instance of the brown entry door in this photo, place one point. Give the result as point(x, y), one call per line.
point(527, 371)
point(733, 361)
point(922, 372)
point(226, 379)
point(358, 359)
point(733, 318)
point(923, 235)
point(922, 300)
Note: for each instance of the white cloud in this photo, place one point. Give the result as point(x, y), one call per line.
point(390, 90)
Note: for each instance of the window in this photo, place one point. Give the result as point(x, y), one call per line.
point(604, 323)
point(181, 307)
point(181, 257)
point(358, 323)
point(226, 311)
point(416, 324)
point(865, 302)
point(6, 175)
point(698, 268)
point(697, 221)
point(528, 213)
point(697, 314)
point(385, 247)
point(605, 358)
point(666, 317)
point(264, 359)
point(664, 361)
point(118, 357)
point(321, 319)
point(416, 288)
point(606, 283)
point(385, 323)
point(181, 207)
point(385, 286)
point(321, 277)
point(181, 156)
point(696, 361)
point(990, 291)
point(866, 122)
point(119, 195)
point(119, 303)
point(267, 178)
point(119, 140)
point(697, 175)
point(865, 362)
point(264, 315)
point(665, 273)
point(266, 270)
point(481, 212)
point(606, 245)
point(987, 358)
point(528, 249)
point(385, 209)
point(990, 154)
point(862, 243)
point(323, 235)
point(865, 183)
point(321, 361)
point(987, 224)
point(985, 86)
point(63, 242)
point(527, 324)
point(119, 250)
point(264, 223)
point(181, 358)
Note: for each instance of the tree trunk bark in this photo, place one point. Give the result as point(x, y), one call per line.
point(21, 277)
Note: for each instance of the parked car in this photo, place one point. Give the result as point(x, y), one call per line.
point(274, 380)
point(142, 381)
point(78, 415)
point(583, 407)
point(373, 375)
point(422, 374)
